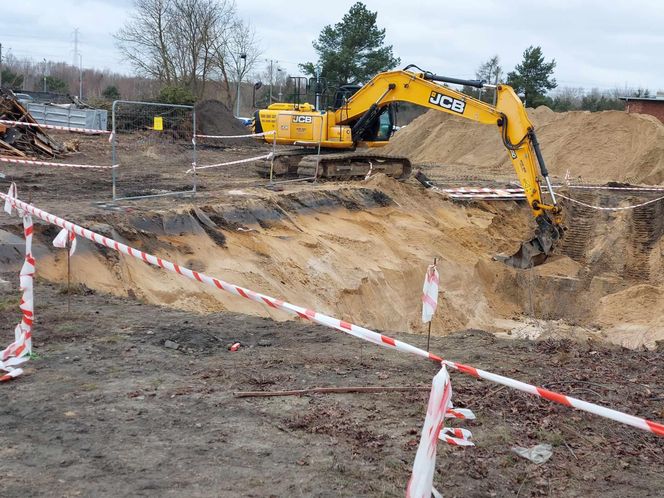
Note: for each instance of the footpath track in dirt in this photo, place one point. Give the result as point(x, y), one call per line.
point(107, 409)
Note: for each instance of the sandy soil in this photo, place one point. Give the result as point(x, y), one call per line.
point(106, 409)
point(593, 147)
point(358, 250)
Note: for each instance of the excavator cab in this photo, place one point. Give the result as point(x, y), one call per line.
point(379, 128)
point(343, 93)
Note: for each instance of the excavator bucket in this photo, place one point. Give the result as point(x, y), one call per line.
point(534, 252)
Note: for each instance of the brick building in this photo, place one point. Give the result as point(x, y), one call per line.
point(646, 105)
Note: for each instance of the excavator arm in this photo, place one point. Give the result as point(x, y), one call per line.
point(508, 116)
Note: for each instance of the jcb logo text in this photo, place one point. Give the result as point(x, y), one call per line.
point(447, 102)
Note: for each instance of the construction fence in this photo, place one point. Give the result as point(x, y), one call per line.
point(143, 135)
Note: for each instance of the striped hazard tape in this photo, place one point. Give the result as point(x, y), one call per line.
point(335, 323)
point(229, 163)
point(33, 162)
point(249, 135)
point(430, 293)
point(18, 351)
point(420, 484)
point(483, 193)
point(601, 208)
point(87, 131)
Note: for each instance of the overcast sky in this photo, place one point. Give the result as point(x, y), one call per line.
point(596, 43)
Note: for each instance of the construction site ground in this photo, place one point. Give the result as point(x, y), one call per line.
point(106, 408)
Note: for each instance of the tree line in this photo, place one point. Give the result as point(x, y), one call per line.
point(180, 51)
point(59, 77)
point(186, 45)
point(354, 49)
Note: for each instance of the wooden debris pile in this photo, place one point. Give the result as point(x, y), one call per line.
point(24, 141)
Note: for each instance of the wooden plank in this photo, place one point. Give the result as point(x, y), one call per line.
point(12, 149)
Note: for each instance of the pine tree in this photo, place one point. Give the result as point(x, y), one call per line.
point(533, 76)
point(353, 50)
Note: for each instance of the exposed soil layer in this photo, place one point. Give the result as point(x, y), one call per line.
point(106, 409)
point(359, 251)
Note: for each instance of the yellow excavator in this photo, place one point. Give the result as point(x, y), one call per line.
point(363, 118)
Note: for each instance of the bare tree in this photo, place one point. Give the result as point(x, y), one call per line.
point(182, 42)
point(144, 40)
point(242, 42)
point(235, 54)
point(490, 72)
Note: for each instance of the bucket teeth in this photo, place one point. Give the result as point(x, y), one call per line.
point(535, 251)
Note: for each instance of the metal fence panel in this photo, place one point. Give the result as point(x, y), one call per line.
point(153, 148)
point(94, 119)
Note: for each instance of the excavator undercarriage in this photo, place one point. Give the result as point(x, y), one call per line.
point(338, 165)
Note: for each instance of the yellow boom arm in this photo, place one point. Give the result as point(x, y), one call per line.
point(508, 116)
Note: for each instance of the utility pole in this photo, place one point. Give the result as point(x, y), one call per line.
point(80, 76)
point(0, 65)
point(44, 75)
point(270, 101)
point(240, 73)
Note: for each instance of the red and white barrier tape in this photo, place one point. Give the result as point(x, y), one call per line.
point(635, 188)
point(63, 238)
point(335, 323)
point(517, 194)
point(48, 163)
point(420, 484)
point(265, 133)
point(604, 187)
point(430, 293)
point(87, 131)
point(482, 190)
point(600, 208)
point(18, 351)
point(239, 161)
point(482, 193)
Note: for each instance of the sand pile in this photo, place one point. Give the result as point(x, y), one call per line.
point(594, 147)
point(214, 118)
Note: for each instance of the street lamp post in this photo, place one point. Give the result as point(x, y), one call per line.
point(280, 83)
point(239, 81)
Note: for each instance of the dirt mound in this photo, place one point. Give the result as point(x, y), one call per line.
point(214, 118)
point(594, 147)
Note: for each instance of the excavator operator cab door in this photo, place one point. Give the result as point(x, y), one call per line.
point(382, 127)
point(343, 93)
point(386, 123)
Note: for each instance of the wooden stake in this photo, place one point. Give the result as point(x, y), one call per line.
point(68, 274)
point(329, 390)
point(435, 260)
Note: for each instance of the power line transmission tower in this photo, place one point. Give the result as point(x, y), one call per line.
point(75, 47)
